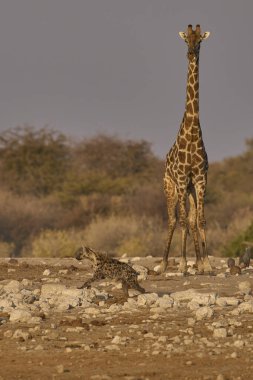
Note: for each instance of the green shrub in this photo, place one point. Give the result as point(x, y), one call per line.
point(234, 248)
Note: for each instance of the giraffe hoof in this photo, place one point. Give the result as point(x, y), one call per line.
point(163, 266)
point(182, 267)
point(200, 266)
point(207, 266)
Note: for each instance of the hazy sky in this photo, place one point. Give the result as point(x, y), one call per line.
point(118, 66)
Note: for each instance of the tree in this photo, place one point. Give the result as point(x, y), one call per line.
point(33, 161)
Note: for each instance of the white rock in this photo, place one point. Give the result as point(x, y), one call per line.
point(51, 290)
point(174, 274)
point(132, 292)
point(245, 287)
point(227, 301)
point(134, 259)
point(164, 302)
point(149, 335)
point(191, 321)
point(147, 299)
point(8, 334)
point(157, 268)
point(117, 340)
point(115, 308)
point(21, 334)
point(221, 275)
point(158, 310)
point(193, 305)
point(92, 310)
point(220, 333)
point(20, 315)
point(112, 347)
point(39, 348)
point(204, 312)
point(6, 305)
point(203, 299)
point(239, 343)
point(63, 271)
point(245, 307)
point(13, 287)
point(46, 272)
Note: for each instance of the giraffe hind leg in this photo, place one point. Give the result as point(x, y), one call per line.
point(184, 229)
point(200, 191)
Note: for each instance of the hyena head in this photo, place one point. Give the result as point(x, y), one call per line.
point(85, 253)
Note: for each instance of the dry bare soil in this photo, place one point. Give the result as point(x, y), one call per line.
point(129, 343)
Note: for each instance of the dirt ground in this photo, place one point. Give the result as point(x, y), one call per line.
point(57, 352)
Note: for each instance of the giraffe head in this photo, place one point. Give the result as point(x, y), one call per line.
point(193, 38)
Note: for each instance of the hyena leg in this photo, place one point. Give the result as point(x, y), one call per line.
point(125, 287)
point(135, 285)
point(96, 276)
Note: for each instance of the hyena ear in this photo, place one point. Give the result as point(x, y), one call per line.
point(183, 35)
point(205, 35)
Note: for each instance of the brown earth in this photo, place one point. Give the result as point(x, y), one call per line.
point(55, 353)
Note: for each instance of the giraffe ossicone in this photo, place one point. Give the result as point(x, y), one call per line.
point(187, 165)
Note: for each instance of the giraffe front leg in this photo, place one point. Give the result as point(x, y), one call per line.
point(171, 195)
point(192, 218)
point(183, 224)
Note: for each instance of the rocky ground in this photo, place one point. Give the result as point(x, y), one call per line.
point(183, 327)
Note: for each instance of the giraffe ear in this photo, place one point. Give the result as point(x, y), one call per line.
point(205, 35)
point(183, 35)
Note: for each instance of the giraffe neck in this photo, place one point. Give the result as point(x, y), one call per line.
point(192, 93)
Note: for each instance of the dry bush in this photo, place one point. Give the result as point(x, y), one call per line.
point(131, 235)
point(57, 243)
point(6, 249)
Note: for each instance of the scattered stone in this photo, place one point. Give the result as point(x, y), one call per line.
point(220, 377)
point(220, 333)
point(39, 348)
point(245, 287)
point(239, 343)
point(8, 334)
point(227, 301)
point(20, 315)
point(21, 335)
point(59, 369)
point(11, 270)
point(191, 321)
point(204, 312)
point(221, 275)
point(63, 271)
point(112, 347)
point(13, 286)
point(147, 299)
point(244, 307)
point(157, 268)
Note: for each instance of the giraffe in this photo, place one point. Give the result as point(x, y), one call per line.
point(186, 167)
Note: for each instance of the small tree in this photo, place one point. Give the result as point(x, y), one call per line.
point(33, 161)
